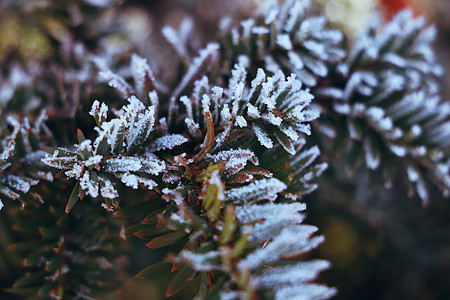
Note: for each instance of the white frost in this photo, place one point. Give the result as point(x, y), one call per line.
point(262, 136)
point(265, 189)
point(167, 142)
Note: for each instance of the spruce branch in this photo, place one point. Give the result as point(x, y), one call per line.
point(389, 101)
point(284, 36)
point(20, 166)
point(207, 183)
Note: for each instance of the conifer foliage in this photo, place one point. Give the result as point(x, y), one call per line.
point(394, 111)
point(220, 154)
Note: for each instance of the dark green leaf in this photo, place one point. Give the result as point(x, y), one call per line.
point(73, 199)
point(167, 239)
point(150, 231)
point(51, 232)
point(154, 270)
point(134, 228)
point(141, 209)
point(61, 152)
point(46, 288)
point(103, 147)
point(203, 287)
point(23, 291)
point(31, 279)
point(152, 218)
point(214, 292)
point(54, 263)
point(27, 246)
point(179, 281)
point(36, 259)
point(284, 141)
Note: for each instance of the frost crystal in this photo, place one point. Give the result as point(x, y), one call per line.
point(122, 164)
point(251, 213)
point(204, 261)
point(93, 160)
point(133, 181)
point(235, 160)
point(142, 73)
point(167, 142)
point(118, 82)
point(90, 186)
point(292, 240)
point(262, 136)
point(99, 110)
point(108, 191)
point(293, 274)
point(206, 57)
point(258, 190)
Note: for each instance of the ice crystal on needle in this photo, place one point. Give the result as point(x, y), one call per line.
point(258, 190)
point(167, 142)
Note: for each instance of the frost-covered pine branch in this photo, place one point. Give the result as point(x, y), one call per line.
point(287, 37)
point(92, 162)
point(20, 155)
point(217, 161)
point(134, 147)
point(391, 104)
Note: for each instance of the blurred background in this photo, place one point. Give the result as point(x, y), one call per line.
point(382, 244)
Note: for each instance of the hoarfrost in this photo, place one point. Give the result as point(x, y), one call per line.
point(305, 292)
point(252, 213)
point(262, 136)
point(202, 261)
point(193, 128)
point(205, 58)
point(265, 189)
point(398, 150)
point(60, 162)
point(93, 160)
point(235, 160)
point(373, 158)
point(91, 187)
point(167, 142)
point(108, 191)
point(118, 82)
point(413, 175)
point(133, 181)
point(271, 118)
point(284, 41)
point(122, 164)
point(292, 240)
point(253, 111)
point(240, 120)
point(292, 274)
point(75, 172)
point(19, 183)
point(99, 110)
point(141, 72)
